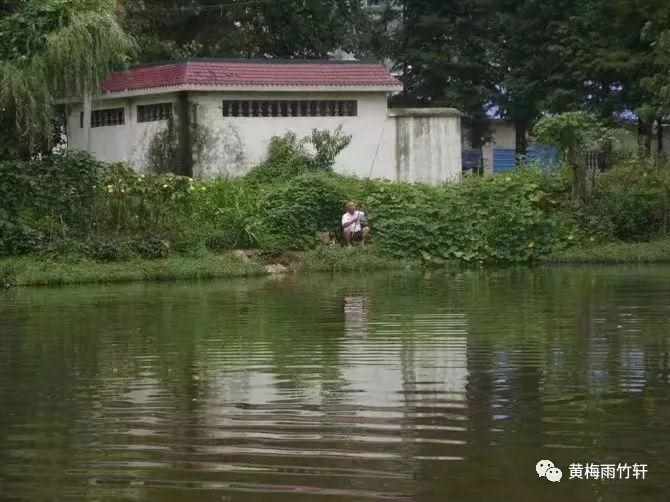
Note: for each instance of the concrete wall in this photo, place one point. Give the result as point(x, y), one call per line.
point(429, 149)
point(429, 145)
point(239, 143)
point(242, 142)
point(127, 143)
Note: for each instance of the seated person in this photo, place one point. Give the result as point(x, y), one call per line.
point(354, 225)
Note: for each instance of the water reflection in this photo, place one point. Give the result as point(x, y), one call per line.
point(369, 388)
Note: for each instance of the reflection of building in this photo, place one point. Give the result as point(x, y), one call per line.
point(356, 315)
point(419, 361)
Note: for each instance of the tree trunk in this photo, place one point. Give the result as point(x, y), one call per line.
point(579, 191)
point(644, 135)
point(87, 111)
point(521, 130)
point(659, 137)
point(478, 131)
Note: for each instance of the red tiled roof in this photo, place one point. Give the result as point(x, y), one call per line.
point(251, 74)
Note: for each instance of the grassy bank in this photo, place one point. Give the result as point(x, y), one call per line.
point(615, 253)
point(122, 226)
point(36, 271)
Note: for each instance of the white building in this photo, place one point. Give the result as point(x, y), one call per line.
point(239, 106)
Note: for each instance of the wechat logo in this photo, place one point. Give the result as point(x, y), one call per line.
point(547, 469)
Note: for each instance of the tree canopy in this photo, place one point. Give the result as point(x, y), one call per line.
point(174, 29)
point(51, 49)
point(516, 59)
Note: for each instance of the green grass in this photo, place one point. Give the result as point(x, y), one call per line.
point(613, 253)
point(36, 271)
point(354, 259)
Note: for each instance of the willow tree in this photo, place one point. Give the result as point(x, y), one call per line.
point(51, 50)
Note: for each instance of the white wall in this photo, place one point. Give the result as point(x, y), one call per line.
point(429, 148)
point(242, 142)
point(122, 143)
point(239, 143)
point(406, 145)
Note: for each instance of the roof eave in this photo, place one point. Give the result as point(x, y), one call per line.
point(250, 88)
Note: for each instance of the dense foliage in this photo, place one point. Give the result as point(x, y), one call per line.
point(52, 49)
point(177, 29)
point(73, 205)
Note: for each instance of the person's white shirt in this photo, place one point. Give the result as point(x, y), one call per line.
point(356, 227)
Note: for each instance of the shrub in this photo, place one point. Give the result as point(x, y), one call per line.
point(46, 199)
point(631, 203)
point(17, 238)
point(494, 219)
point(152, 248)
point(289, 156)
point(129, 203)
point(221, 240)
point(109, 250)
point(227, 212)
point(327, 146)
point(293, 212)
point(7, 276)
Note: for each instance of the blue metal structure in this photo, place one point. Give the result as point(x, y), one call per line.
point(505, 159)
point(472, 160)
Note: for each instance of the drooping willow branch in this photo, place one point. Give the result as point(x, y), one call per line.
point(74, 60)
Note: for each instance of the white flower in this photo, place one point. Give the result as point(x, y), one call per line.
point(165, 186)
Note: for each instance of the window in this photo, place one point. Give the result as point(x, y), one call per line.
point(111, 117)
point(283, 108)
point(153, 113)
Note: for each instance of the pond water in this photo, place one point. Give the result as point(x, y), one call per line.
point(387, 387)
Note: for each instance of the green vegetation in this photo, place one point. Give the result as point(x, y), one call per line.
point(339, 259)
point(607, 57)
point(51, 49)
point(574, 133)
point(604, 56)
point(80, 220)
point(34, 271)
point(615, 252)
